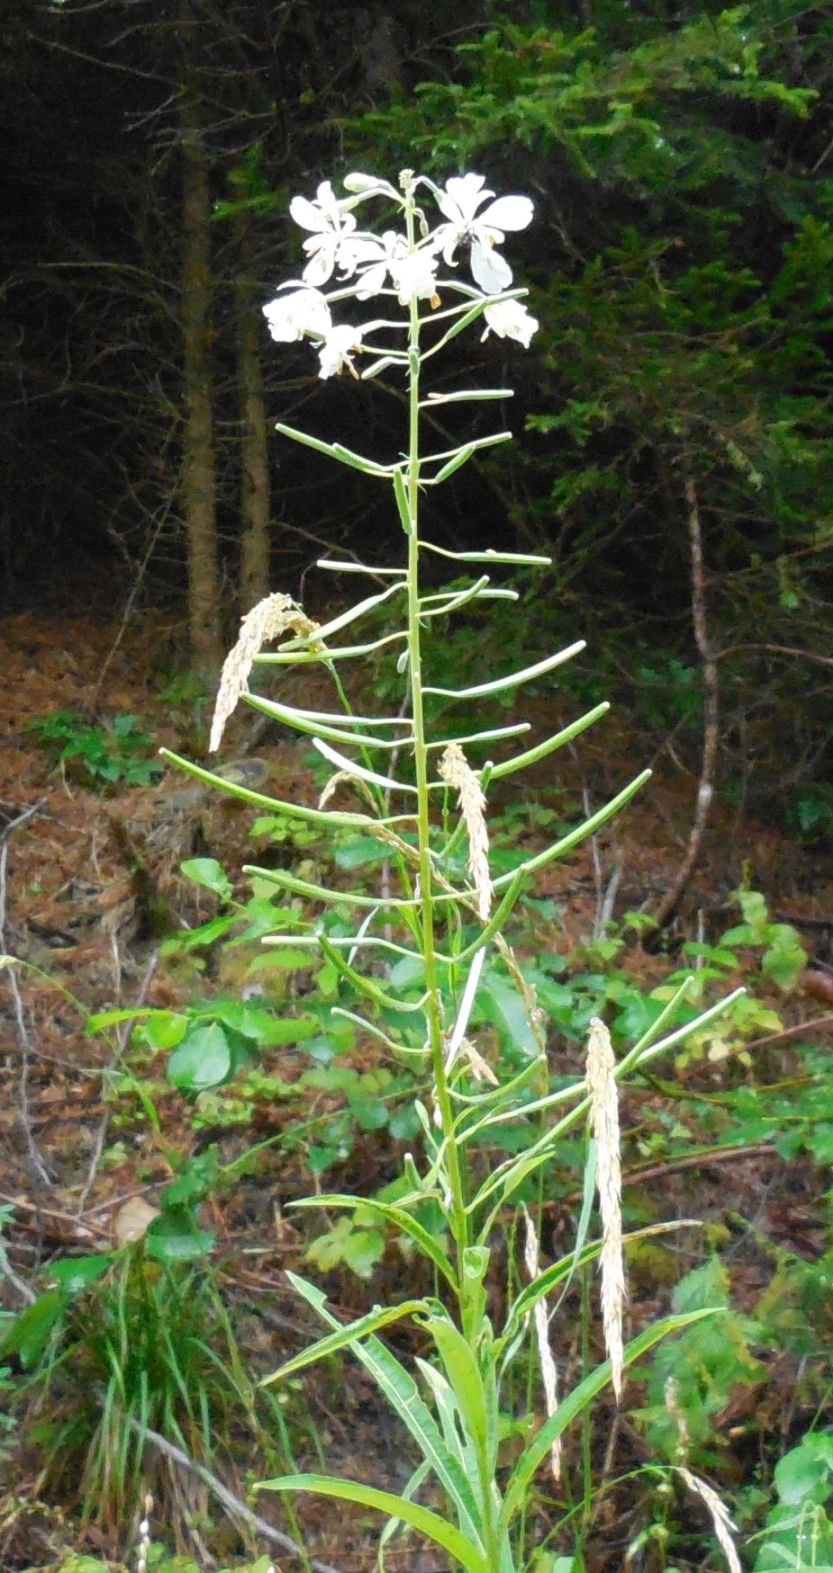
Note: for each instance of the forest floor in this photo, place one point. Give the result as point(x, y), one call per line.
point(84, 876)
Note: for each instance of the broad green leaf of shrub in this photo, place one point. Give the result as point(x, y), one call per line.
point(347, 1246)
point(209, 873)
point(76, 1273)
point(177, 1237)
point(798, 1532)
point(706, 1363)
point(31, 1330)
point(785, 958)
point(202, 1060)
point(500, 1003)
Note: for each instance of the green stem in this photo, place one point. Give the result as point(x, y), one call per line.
point(458, 1218)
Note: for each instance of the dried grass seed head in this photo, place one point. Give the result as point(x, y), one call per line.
point(457, 772)
point(604, 1123)
point(273, 616)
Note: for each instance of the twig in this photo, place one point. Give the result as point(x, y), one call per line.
point(7, 1271)
point(691, 1160)
point(657, 1171)
point(711, 709)
point(84, 1232)
point(229, 1501)
point(35, 1155)
point(790, 1032)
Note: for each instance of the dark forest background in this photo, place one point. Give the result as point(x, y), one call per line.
point(673, 413)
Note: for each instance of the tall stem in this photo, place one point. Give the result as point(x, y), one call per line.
point(434, 1010)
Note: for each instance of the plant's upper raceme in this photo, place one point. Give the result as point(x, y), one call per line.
point(393, 264)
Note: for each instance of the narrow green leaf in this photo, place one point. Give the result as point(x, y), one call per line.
point(346, 1336)
point(420, 1518)
point(400, 492)
point(464, 1376)
point(399, 1388)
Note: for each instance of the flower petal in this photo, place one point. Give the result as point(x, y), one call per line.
point(372, 282)
point(308, 214)
point(337, 348)
point(489, 269)
point(511, 320)
point(508, 213)
point(320, 266)
point(466, 194)
point(295, 313)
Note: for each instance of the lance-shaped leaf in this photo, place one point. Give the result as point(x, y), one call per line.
point(466, 1382)
point(334, 450)
point(558, 1275)
point(352, 1334)
point(429, 1524)
point(399, 1388)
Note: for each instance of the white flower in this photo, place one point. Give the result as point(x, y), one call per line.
point(412, 274)
point(292, 315)
point(460, 202)
point(328, 246)
point(339, 344)
point(510, 320)
point(380, 254)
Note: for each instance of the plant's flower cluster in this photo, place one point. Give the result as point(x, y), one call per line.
point(459, 203)
point(471, 215)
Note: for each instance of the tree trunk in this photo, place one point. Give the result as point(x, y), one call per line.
point(254, 456)
point(198, 481)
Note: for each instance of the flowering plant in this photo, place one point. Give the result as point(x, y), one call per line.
point(441, 908)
